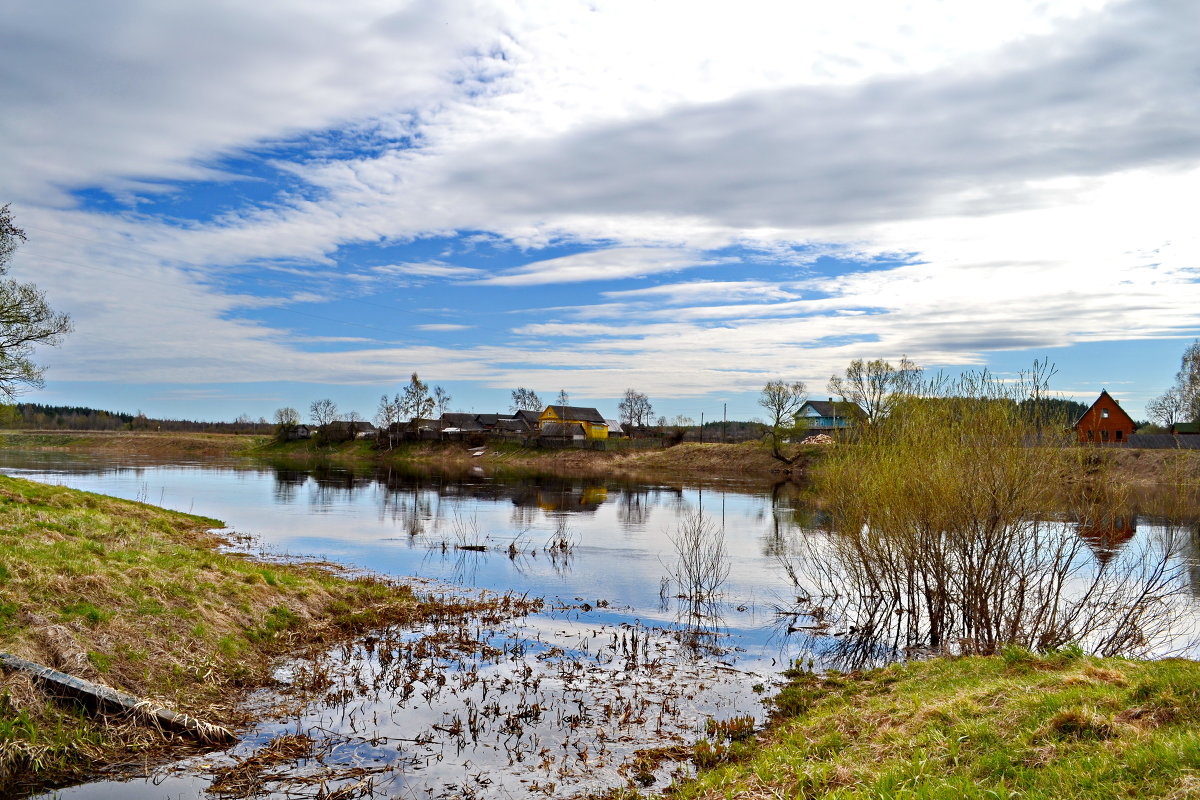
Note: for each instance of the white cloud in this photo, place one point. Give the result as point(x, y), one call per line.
point(1039, 163)
point(705, 291)
point(429, 270)
point(600, 265)
point(146, 90)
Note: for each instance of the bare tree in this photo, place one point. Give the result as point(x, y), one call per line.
point(387, 415)
point(1168, 408)
point(635, 409)
point(525, 400)
point(26, 319)
point(1187, 380)
point(416, 402)
point(323, 412)
point(1180, 402)
point(287, 419)
point(876, 386)
point(441, 400)
point(782, 400)
point(564, 399)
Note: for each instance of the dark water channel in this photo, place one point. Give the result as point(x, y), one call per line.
point(545, 704)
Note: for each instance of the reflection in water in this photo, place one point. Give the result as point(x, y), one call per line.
point(633, 508)
point(1108, 531)
point(881, 596)
point(475, 708)
point(1193, 558)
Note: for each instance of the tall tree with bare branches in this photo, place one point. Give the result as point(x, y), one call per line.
point(26, 319)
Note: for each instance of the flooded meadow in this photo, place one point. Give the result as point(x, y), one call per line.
point(624, 629)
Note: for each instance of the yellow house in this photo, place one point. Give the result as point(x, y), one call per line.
point(594, 426)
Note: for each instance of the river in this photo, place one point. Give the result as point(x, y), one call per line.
point(558, 701)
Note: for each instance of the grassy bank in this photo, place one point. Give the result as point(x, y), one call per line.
point(689, 461)
point(1016, 725)
point(168, 445)
point(143, 600)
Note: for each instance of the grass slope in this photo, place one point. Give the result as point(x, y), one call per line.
point(1017, 725)
point(143, 600)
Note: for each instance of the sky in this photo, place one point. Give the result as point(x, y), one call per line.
point(246, 206)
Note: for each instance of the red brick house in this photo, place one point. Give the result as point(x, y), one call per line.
point(1105, 421)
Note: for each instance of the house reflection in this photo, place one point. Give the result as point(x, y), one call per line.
point(419, 490)
point(1106, 533)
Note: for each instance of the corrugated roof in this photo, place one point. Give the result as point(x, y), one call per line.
point(563, 429)
point(578, 413)
point(460, 420)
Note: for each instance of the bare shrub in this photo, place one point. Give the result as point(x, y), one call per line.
point(702, 563)
point(941, 538)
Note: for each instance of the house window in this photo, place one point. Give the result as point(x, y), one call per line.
point(1091, 436)
point(1104, 413)
point(1119, 435)
point(1104, 436)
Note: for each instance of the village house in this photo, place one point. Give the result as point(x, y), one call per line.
point(460, 422)
point(563, 432)
point(1105, 422)
point(343, 430)
point(589, 419)
point(825, 415)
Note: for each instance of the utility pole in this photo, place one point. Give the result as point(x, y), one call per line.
point(701, 427)
point(724, 415)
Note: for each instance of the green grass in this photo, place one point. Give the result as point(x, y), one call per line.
point(1057, 726)
point(145, 601)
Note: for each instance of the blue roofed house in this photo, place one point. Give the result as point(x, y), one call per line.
point(826, 415)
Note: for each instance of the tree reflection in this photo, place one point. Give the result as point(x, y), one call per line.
point(699, 573)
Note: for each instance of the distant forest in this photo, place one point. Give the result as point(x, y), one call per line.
point(80, 418)
point(1056, 409)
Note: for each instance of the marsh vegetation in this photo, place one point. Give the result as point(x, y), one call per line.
point(954, 526)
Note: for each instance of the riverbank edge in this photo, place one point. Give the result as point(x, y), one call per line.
point(1058, 726)
point(152, 603)
point(687, 462)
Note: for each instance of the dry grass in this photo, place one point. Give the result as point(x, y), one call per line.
point(141, 443)
point(142, 599)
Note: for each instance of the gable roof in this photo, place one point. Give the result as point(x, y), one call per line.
point(828, 408)
point(460, 420)
point(576, 413)
point(563, 429)
point(1112, 403)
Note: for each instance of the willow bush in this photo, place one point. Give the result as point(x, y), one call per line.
point(948, 533)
